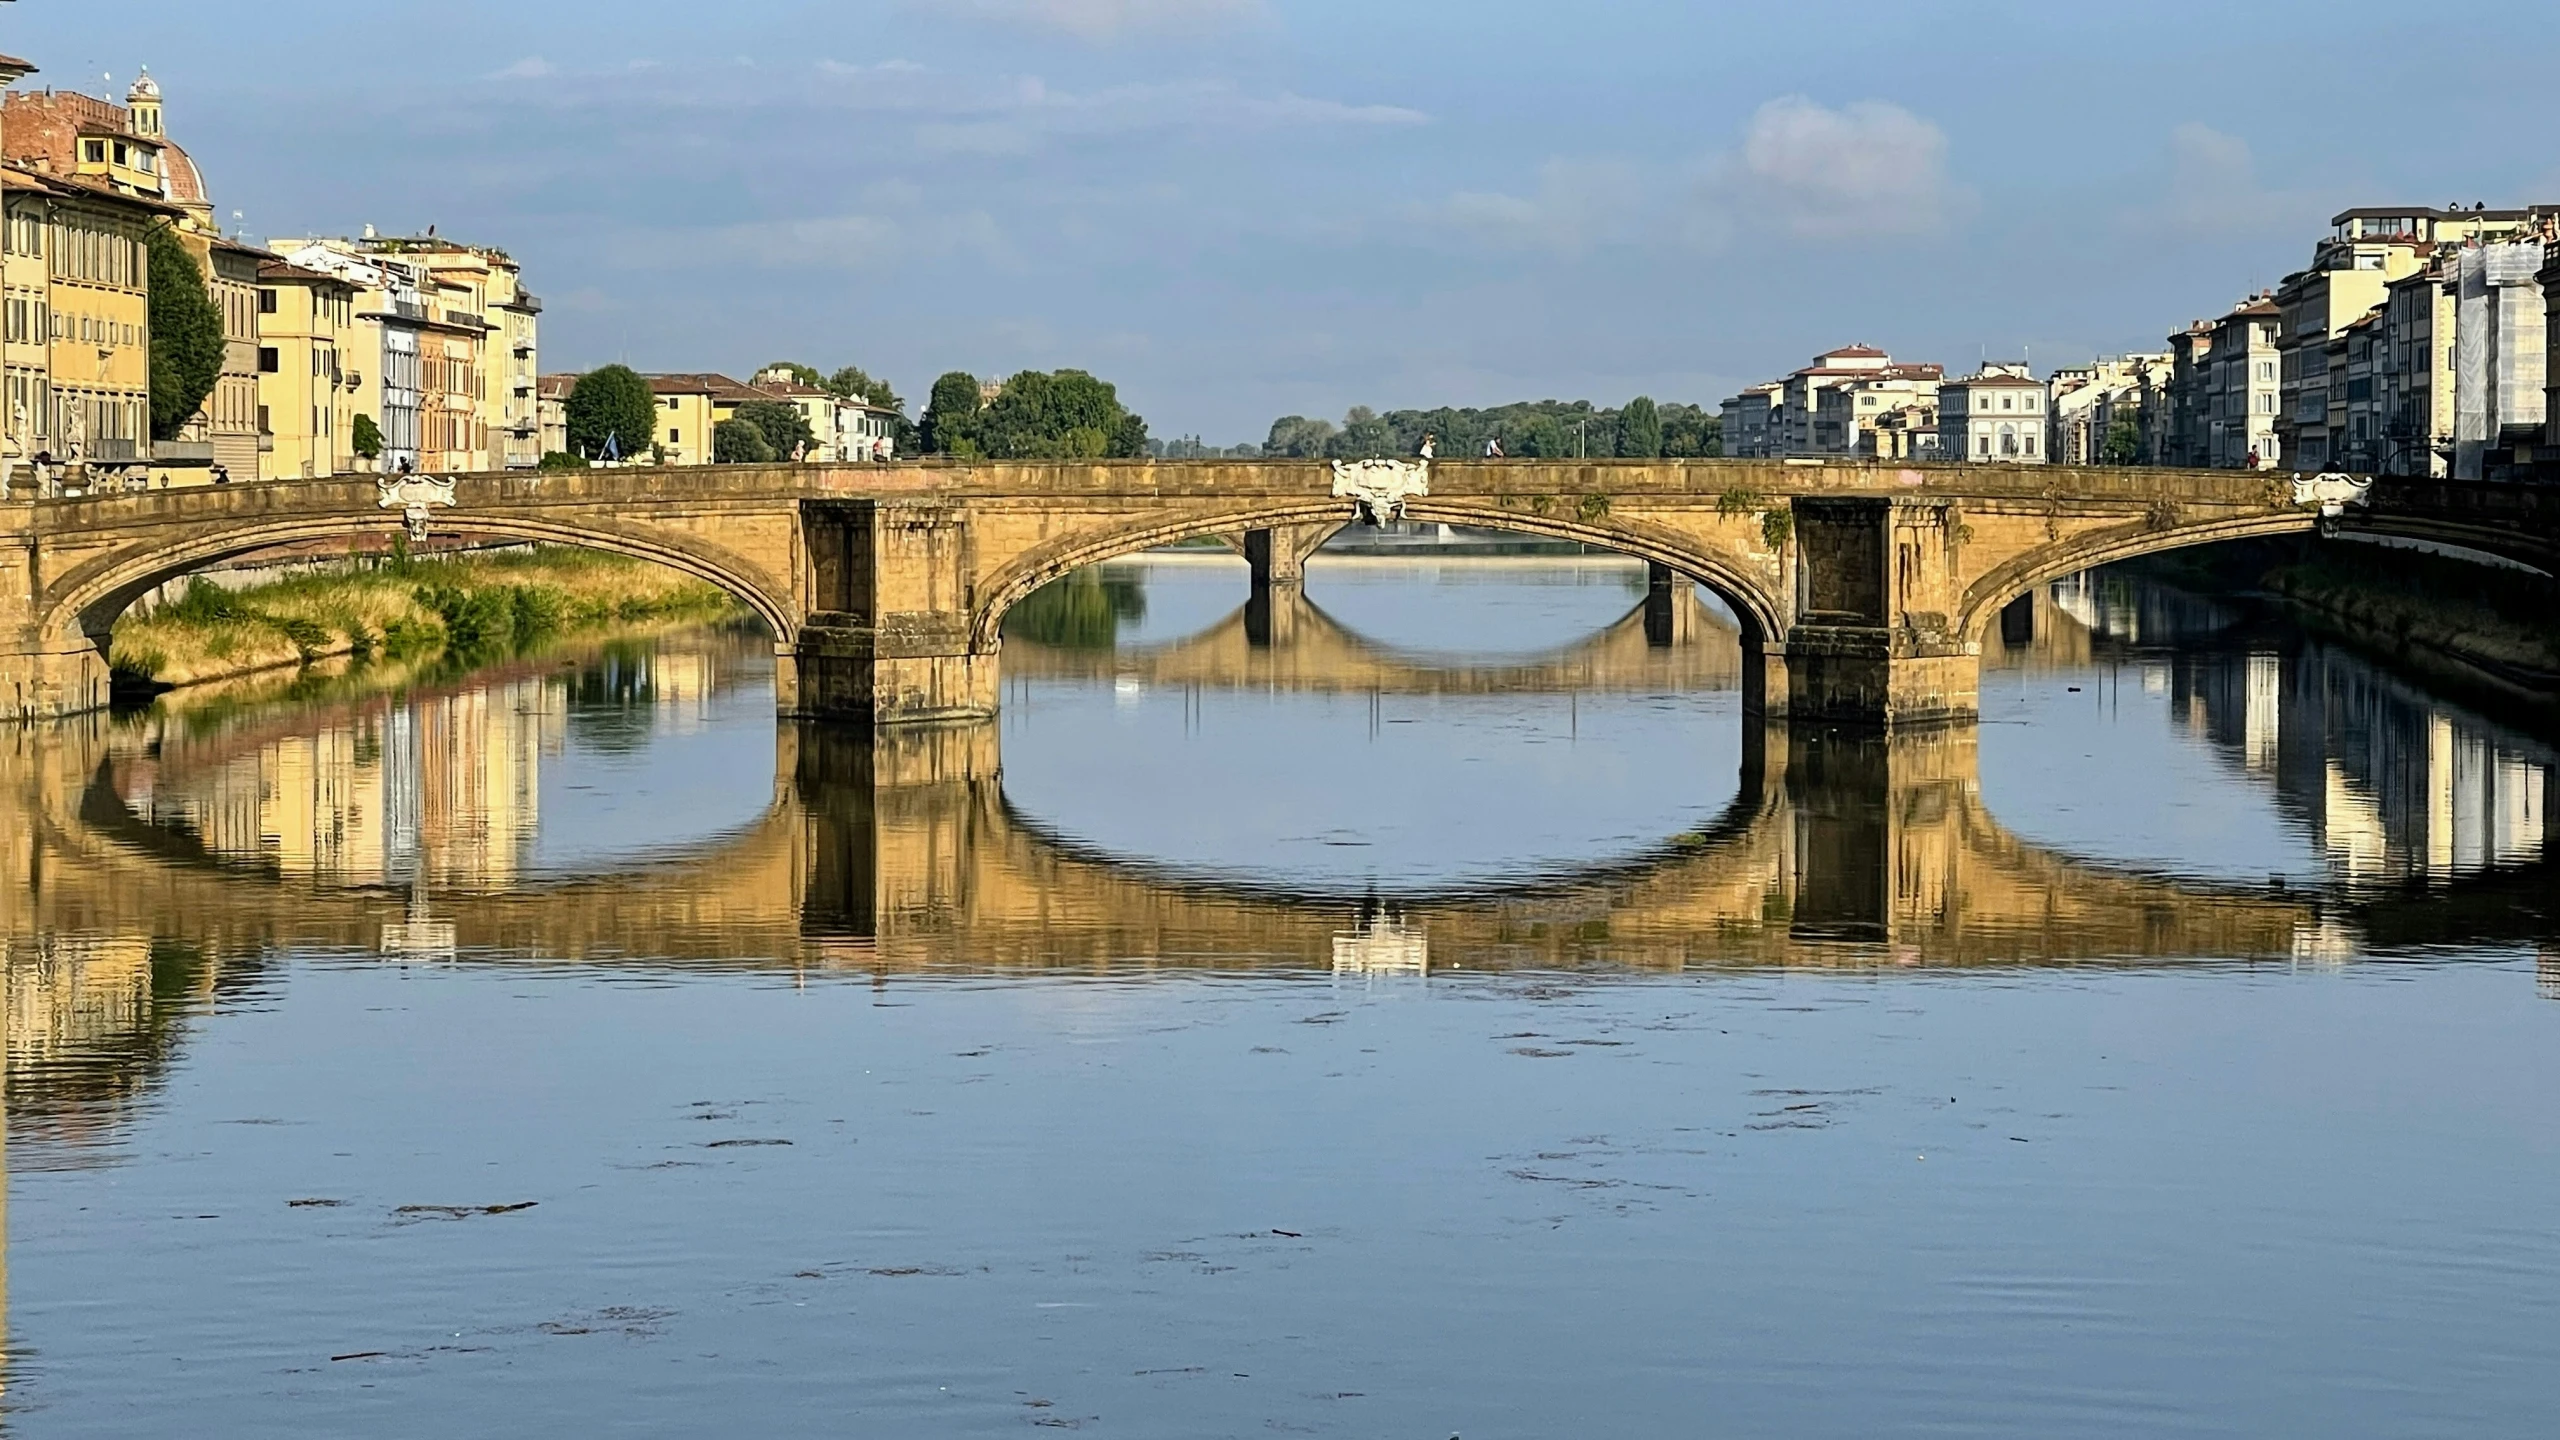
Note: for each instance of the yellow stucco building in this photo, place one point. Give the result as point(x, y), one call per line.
point(306, 399)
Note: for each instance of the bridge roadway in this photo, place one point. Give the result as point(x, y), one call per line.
point(1862, 590)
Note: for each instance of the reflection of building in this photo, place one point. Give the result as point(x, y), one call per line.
point(2391, 782)
point(441, 789)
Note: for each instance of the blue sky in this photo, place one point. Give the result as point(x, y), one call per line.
point(1238, 209)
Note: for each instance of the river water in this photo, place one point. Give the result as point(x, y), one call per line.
point(1424, 1008)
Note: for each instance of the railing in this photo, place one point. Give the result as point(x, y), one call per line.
point(113, 450)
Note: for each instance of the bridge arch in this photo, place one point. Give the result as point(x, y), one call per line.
point(1750, 597)
point(88, 599)
point(2045, 564)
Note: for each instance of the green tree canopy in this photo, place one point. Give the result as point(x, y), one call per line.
point(739, 442)
point(1065, 415)
point(367, 438)
point(1640, 429)
point(783, 425)
point(186, 335)
point(950, 413)
point(614, 404)
point(2124, 442)
point(1525, 428)
point(852, 383)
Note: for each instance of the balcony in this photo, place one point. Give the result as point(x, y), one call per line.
point(114, 451)
point(182, 452)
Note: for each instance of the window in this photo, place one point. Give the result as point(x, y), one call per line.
point(1986, 444)
point(124, 155)
point(2031, 444)
point(671, 402)
point(93, 151)
point(2266, 370)
point(266, 302)
point(675, 437)
point(264, 427)
point(269, 363)
point(2008, 402)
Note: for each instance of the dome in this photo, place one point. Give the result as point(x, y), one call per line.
point(144, 88)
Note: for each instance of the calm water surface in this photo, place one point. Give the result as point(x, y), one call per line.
point(1425, 1007)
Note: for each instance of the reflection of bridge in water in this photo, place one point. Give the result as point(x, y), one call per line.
point(897, 850)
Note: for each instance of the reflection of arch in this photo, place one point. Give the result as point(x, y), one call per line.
point(92, 594)
point(1306, 649)
point(1761, 613)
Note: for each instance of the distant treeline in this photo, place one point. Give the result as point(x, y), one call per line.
point(1544, 429)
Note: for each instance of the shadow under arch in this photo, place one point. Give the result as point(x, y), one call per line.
point(1750, 598)
point(1292, 642)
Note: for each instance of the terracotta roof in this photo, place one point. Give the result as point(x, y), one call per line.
point(717, 386)
point(555, 387)
point(1862, 352)
point(12, 62)
point(1999, 380)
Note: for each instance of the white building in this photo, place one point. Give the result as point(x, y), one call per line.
point(1996, 416)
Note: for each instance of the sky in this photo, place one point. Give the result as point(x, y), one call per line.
point(1240, 209)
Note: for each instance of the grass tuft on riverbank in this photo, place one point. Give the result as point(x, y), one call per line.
point(485, 605)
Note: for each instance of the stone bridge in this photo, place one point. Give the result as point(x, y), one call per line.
point(1862, 591)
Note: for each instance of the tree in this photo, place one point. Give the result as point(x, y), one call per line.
point(782, 424)
point(1640, 430)
point(951, 415)
point(186, 335)
point(1065, 415)
point(2124, 442)
point(612, 408)
point(367, 438)
point(851, 383)
point(1299, 437)
point(739, 442)
point(1544, 438)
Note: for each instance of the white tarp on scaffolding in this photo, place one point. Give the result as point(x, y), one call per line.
point(2499, 362)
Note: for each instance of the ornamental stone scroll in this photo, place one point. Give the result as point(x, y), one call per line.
point(1378, 489)
point(411, 495)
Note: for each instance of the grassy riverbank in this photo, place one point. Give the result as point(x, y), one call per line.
point(488, 605)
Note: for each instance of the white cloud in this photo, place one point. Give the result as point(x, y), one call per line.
point(1799, 170)
point(1868, 168)
point(1102, 19)
point(2214, 186)
point(531, 67)
point(1577, 204)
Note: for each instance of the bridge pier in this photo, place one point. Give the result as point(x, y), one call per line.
point(886, 638)
point(1278, 554)
point(1670, 606)
point(1874, 640)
